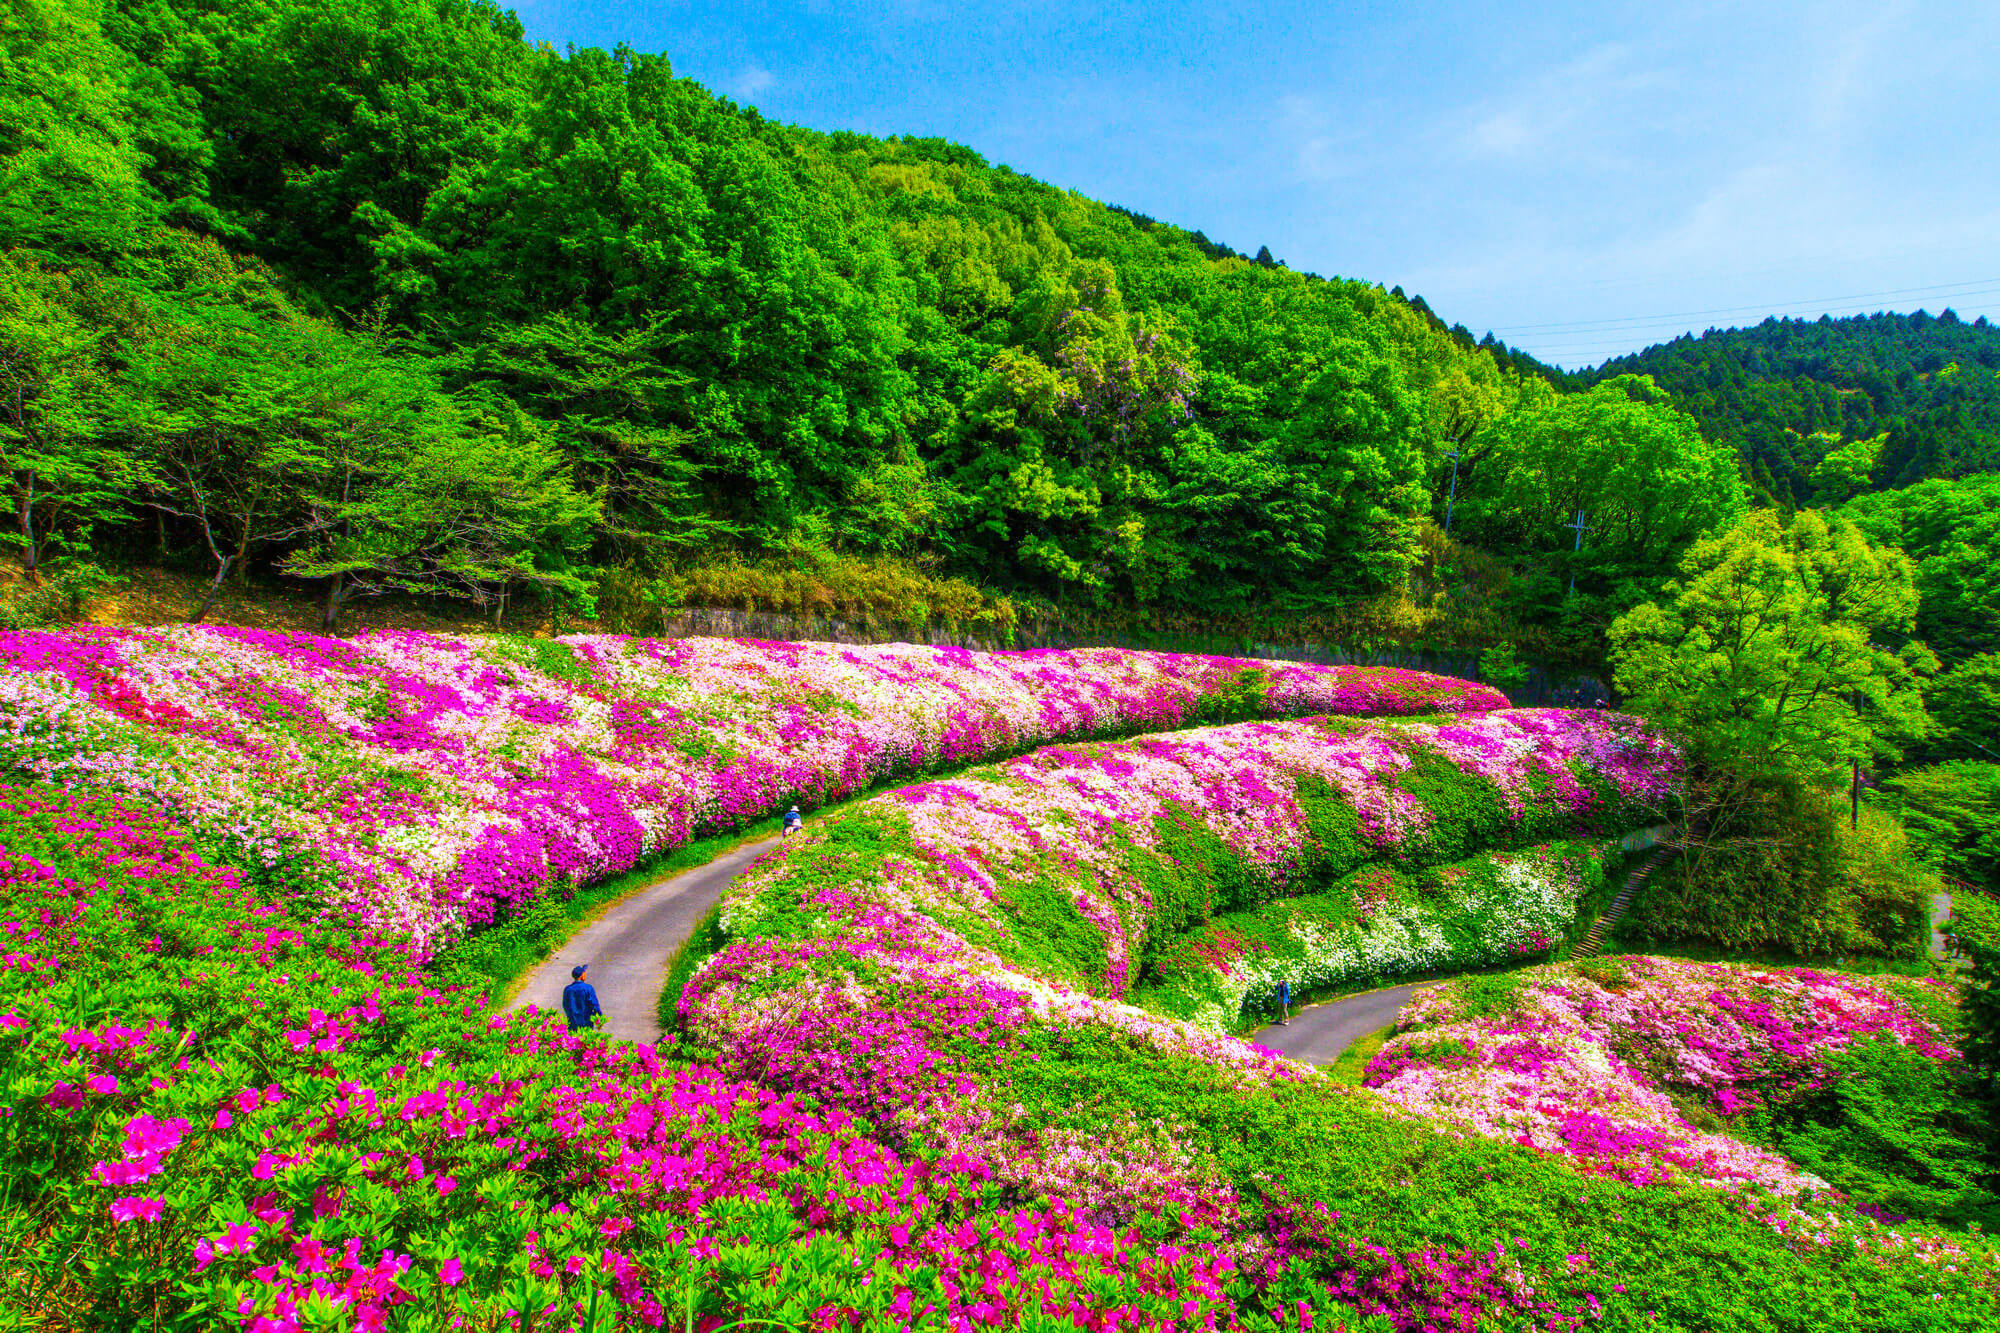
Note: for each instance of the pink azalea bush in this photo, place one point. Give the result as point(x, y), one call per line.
point(276, 1123)
point(437, 783)
point(905, 958)
point(1581, 1060)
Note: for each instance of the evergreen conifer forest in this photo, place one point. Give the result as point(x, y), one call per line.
point(390, 405)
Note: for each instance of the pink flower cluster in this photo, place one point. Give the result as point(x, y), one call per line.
point(443, 782)
point(1584, 1063)
point(886, 981)
point(442, 1164)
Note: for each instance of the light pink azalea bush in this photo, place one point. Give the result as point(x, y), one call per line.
point(437, 783)
point(1579, 1061)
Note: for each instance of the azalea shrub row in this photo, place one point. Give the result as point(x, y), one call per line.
point(1380, 922)
point(228, 1114)
point(224, 1114)
point(1067, 877)
point(432, 783)
point(923, 957)
point(1602, 1062)
point(929, 1081)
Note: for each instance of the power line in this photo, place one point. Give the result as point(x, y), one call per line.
point(1988, 286)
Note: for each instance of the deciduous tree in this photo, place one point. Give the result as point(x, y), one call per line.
point(1770, 653)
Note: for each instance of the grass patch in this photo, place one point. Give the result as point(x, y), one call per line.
point(702, 943)
point(1353, 1062)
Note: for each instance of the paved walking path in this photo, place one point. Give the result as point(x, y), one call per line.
point(1940, 914)
point(1319, 1034)
point(629, 947)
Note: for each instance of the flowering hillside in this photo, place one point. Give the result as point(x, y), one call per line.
point(275, 1123)
point(441, 782)
point(1580, 1061)
point(266, 1118)
point(909, 956)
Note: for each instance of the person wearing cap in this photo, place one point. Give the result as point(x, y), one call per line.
point(580, 1000)
point(794, 821)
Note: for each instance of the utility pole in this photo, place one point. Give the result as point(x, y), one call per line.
point(1581, 528)
point(1453, 456)
point(1854, 810)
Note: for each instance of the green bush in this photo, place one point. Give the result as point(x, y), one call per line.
point(1894, 1128)
point(1952, 813)
point(881, 591)
point(1782, 870)
point(60, 597)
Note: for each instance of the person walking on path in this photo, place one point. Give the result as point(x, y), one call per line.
point(580, 1005)
point(1284, 1002)
point(794, 821)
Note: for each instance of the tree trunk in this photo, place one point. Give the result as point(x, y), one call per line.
point(243, 552)
point(24, 511)
point(329, 616)
point(160, 535)
point(214, 586)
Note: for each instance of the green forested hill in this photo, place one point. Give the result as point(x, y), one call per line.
point(308, 276)
point(1931, 383)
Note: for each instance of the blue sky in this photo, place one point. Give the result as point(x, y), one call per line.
point(1583, 179)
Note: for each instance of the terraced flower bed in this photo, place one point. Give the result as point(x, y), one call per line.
point(1583, 1061)
point(435, 783)
point(937, 1076)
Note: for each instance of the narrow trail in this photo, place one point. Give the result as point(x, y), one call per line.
point(630, 946)
point(1635, 881)
point(1319, 1034)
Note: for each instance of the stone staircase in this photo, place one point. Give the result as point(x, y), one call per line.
point(1592, 941)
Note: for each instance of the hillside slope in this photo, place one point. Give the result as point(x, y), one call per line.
point(657, 324)
point(1932, 383)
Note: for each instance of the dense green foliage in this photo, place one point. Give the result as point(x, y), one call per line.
point(1974, 935)
point(1952, 530)
point(1781, 867)
point(583, 313)
point(1765, 654)
point(1786, 393)
point(1952, 812)
point(1619, 459)
point(1891, 1127)
point(1964, 704)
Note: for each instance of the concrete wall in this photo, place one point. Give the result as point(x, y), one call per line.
point(1543, 687)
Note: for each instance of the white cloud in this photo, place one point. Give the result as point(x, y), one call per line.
point(1319, 151)
point(1571, 109)
point(748, 82)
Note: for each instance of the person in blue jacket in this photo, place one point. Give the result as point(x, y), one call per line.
point(580, 1000)
point(1284, 1002)
point(794, 822)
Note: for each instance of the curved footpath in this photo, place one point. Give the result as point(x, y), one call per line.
point(1320, 1034)
point(630, 947)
